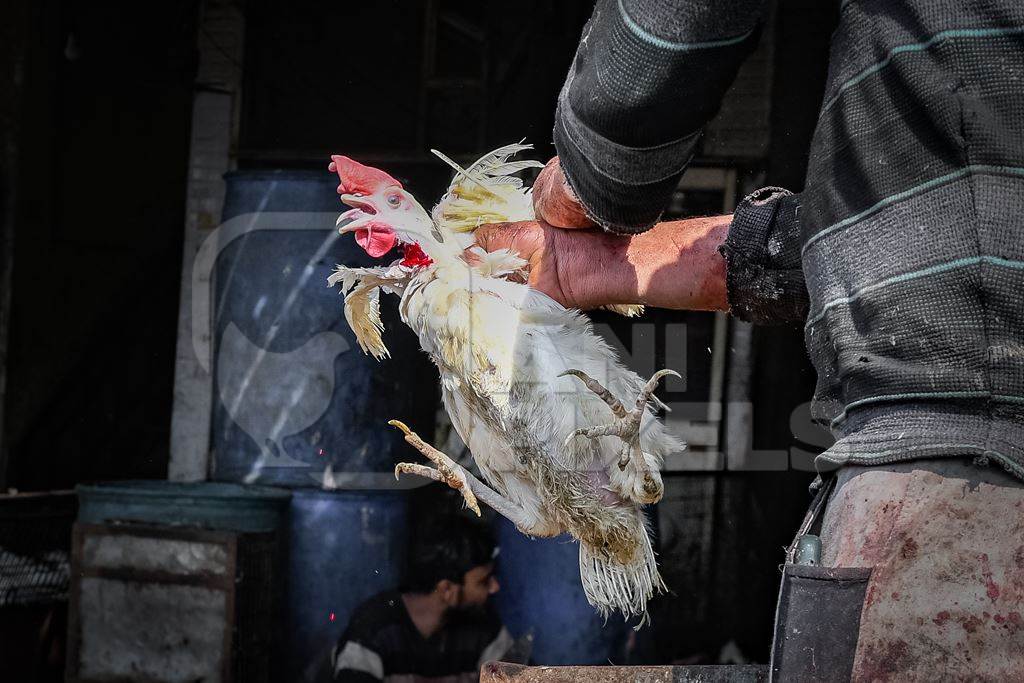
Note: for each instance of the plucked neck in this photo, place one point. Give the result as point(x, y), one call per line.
point(441, 246)
point(438, 244)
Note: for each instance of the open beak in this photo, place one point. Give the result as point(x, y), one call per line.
point(374, 236)
point(361, 212)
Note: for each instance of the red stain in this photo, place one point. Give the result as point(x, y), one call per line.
point(870, 597)
point(1011, 621)
point(895, 595)
point(908, 550)
point(941, 618)
point(971, 623)
point(881, 660)
point(991, 587)
point(875, 545)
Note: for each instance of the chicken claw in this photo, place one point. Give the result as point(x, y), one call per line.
point(448, 471)
point(626, 426)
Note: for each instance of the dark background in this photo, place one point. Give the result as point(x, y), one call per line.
point(96, 106)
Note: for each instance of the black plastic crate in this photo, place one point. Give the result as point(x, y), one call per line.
point(35, 543)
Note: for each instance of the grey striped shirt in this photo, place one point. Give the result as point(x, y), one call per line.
point(904, 254)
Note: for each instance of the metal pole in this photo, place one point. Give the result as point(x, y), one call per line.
point(215, 113)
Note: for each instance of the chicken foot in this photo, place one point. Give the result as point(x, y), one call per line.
point(454, 475)
point(626, 427)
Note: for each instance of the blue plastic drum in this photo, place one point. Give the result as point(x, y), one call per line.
point(297, 403)
point(344, 548)
point(541, 594)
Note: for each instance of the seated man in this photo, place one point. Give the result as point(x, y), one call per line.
point(438, 627)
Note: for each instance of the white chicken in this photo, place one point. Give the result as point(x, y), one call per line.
point(529, 386)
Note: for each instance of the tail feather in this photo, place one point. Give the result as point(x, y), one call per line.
point(626, 588)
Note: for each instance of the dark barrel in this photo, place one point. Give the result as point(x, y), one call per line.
point(298, 404)
point(343, 548)
point(541, 594)
point(296, 400)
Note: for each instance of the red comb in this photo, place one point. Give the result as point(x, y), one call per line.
point(356, 178)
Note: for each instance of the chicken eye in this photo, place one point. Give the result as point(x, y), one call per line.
point(394, 200)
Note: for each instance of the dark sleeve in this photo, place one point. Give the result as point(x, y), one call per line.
point(356, 662)
point(358, 656)
point(352, 676)
point(764, 275)
point(648, 75)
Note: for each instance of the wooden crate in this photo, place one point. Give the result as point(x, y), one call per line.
point(156, 603)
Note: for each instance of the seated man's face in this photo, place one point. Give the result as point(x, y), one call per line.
point(478, 584)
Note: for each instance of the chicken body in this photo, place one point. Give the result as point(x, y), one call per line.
point(515, 367)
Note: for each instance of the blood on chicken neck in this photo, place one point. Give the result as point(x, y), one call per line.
point(414, 256)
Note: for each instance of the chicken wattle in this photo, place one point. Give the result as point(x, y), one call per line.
point(376, 239)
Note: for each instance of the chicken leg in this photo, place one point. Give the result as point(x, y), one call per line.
point(454, 475)
point(626, 427)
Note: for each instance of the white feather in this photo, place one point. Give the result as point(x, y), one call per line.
point(486, 192)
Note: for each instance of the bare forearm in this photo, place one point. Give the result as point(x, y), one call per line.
point(674, 265)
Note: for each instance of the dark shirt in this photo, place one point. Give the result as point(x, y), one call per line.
point(381, 643)
point(904, 253)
